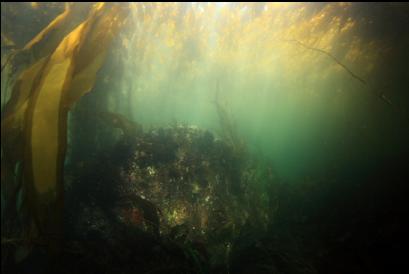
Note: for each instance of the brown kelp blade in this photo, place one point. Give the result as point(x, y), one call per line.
point(45, 42)
point(70, 73)
point(36, 117)
point(93, 49)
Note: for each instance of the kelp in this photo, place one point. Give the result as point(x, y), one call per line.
point(48, 39)
point(33, 55)
point(36, 114)
point(13, 120)
point(45, 42)
point(12, 133)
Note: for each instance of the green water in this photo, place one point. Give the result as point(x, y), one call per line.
point(296, 106)
point(204, 137)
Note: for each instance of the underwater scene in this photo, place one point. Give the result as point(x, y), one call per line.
point(204, 137)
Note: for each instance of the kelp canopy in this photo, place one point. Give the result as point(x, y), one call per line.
point(296, 84)
point(270, 57)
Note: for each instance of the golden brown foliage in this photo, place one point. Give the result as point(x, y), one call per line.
point(35, 121)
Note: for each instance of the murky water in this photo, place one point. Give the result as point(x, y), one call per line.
point(207, 130)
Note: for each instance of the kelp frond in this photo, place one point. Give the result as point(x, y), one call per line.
point(36, 114)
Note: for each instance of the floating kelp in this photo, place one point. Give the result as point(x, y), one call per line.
point(36, 116)
point(45, 42)
point(48, 39)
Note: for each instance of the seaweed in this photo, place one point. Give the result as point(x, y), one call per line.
point(35, 118)
point(229, 130)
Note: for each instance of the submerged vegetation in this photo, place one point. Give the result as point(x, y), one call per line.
point(204, 137)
